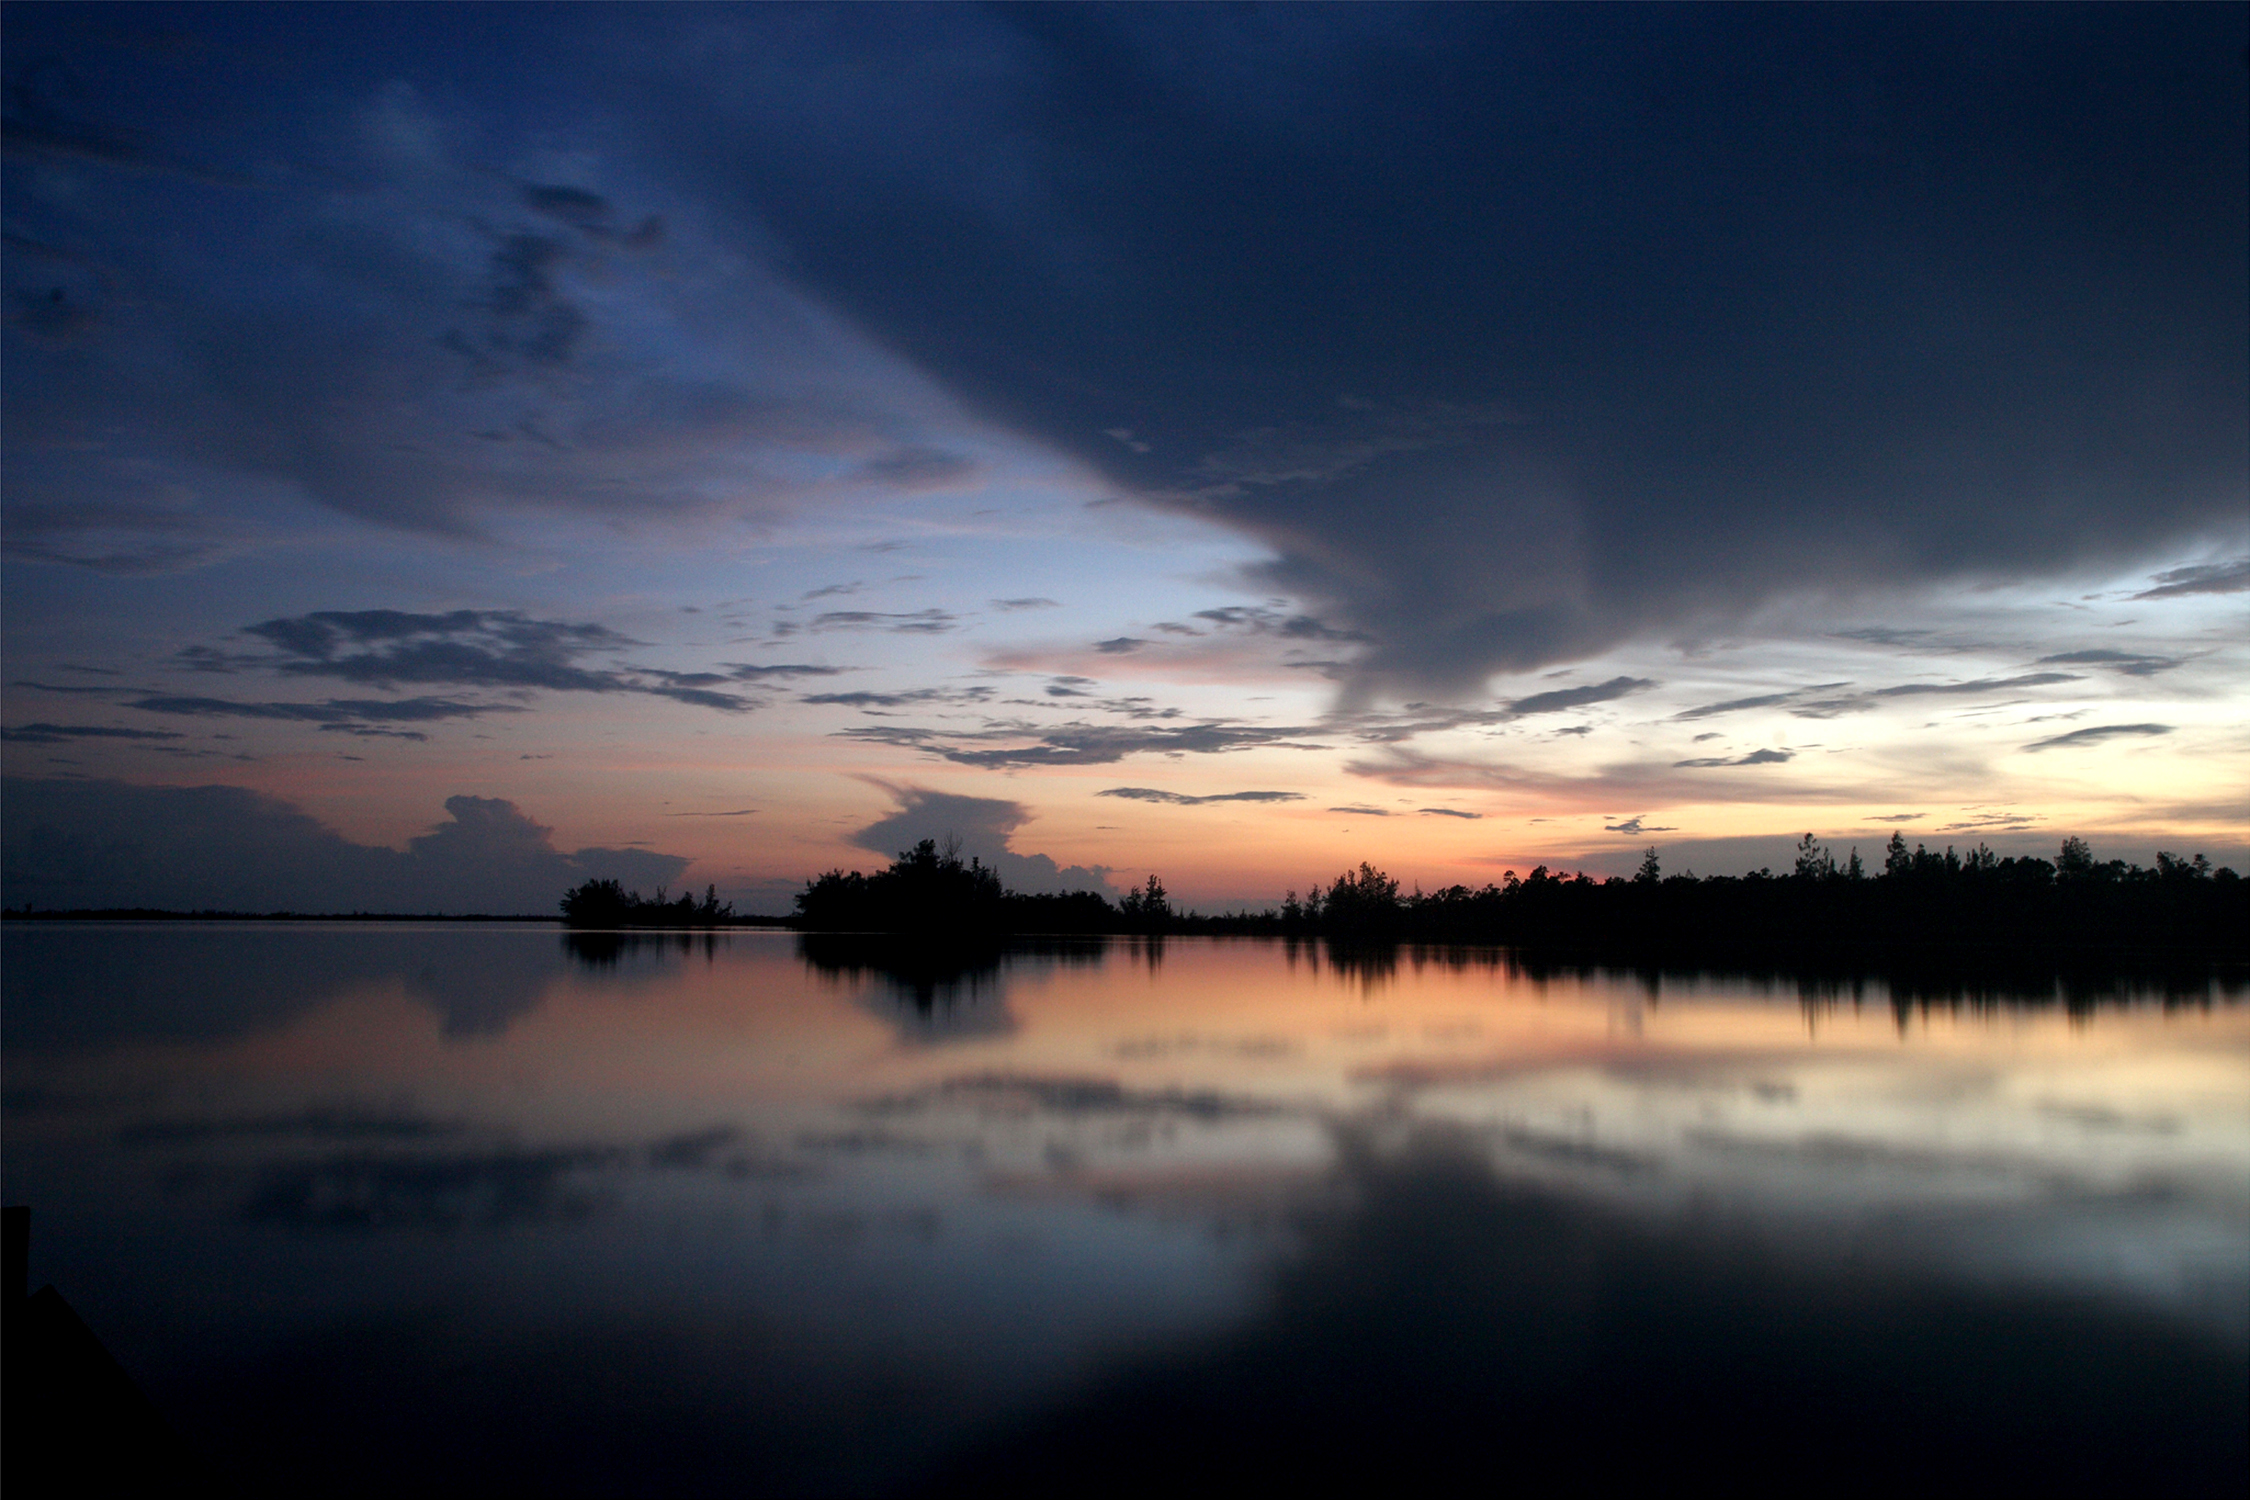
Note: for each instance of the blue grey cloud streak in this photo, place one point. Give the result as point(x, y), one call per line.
point(2096, 734)
point(490, 648)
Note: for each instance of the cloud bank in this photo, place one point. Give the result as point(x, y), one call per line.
point(982, 828)
point(95, 843)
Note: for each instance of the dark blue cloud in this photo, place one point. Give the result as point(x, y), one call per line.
point(489, 648)
point(1517, 332)
point(1512, 333)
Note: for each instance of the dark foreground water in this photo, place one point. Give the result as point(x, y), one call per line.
point(472, 1209)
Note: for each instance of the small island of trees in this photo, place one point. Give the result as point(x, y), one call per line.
point(606, 903)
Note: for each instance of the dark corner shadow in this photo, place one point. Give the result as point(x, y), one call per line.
point(1442, 1325)
point(76, 1423)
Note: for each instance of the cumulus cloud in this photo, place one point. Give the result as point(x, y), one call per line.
point(982, 828)
point(98, 843)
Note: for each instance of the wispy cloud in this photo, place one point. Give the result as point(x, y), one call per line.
point(2132, 664)
point(1075, 744)
point(328, 711)
point(1263, 621)
point(2096, 734)
point(1577, 697)
point(1181, 799)
point(468, 647)
point(1635, 826)
point(63, 734)
point(2203, 578)
point(500, 649)
point(932, 621)
point(745, 672)
point(1763, 700)
point(1829, 708)
point(1448, 812)
point(901, 699)
point(1754, 758)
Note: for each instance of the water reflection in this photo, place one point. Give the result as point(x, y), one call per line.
point(938, 992)
point(1442, 1321)
point(94, 987)
point(607, 952)
point(434, 1209)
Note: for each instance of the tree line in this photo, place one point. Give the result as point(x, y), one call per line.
point(606, 904)
point(1918, 897)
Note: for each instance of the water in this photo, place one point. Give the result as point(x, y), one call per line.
point(470, 1208)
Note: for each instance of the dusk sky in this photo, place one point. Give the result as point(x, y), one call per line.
point(454, 450)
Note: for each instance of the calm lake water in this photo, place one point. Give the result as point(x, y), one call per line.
point(469, 1208)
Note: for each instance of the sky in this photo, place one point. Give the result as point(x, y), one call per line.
point(452, 452)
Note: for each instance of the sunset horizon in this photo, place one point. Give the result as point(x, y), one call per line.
point(749, 441)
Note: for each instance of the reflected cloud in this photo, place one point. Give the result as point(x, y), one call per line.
point(76, 988)
point(1438, 1310)
point(488, 1189)
point(1019, 1096)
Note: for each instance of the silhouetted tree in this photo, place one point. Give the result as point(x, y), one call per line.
point(1814, 862)
point(1146, 909)
point(1896, 861)
point(1362, 903)
point(2075, 861)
